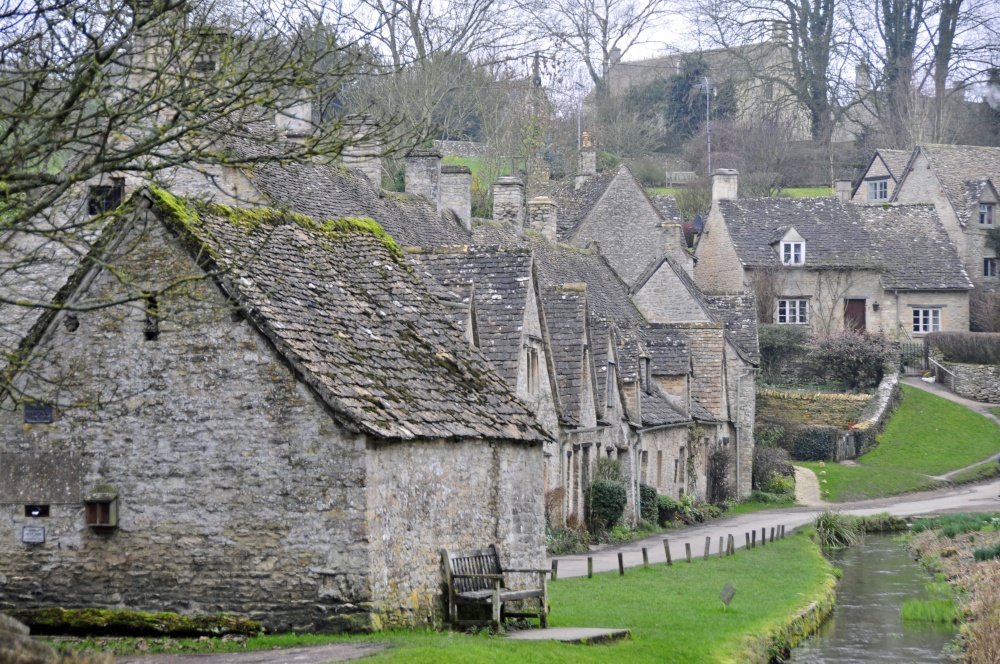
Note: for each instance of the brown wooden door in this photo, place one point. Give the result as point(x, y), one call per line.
point(854, 315)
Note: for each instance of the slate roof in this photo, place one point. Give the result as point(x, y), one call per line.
point(668, 352)
point(739, 313)
point(895, 161)
point(500, 280)
point(961, 169)
point(657, 410)
point(575, 204)
point(565, 315)
point(667, 205)
point(347, 312)
point(885, 239)
point(490, 233)
point(326, 191)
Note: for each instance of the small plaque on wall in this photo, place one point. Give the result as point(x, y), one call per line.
point(35, 413)
point(33, 535)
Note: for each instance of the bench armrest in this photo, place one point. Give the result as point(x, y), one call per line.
point(529, 570)
point(478, 576)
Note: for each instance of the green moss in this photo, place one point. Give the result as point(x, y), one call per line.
point(118, 622)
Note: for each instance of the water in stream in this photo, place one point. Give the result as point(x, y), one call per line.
point(866, 626)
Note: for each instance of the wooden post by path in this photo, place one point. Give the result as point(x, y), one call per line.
point(645, 557)
point(748, 539)
point(772, 534)
point(621, 565)
point(666, 550)
point(555, 570)
point(687, 550)
point(782, 532)
point(763, 536)
point(732, 545)
point(590, 567)
point(753, 539)
point(708, 546)
point(720, 546)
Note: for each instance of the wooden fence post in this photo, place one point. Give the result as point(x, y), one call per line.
point(555, 570)
point(645, 557)
point(772, 534)
point(748, 540)
point(621, 565)
point(666, 550)
point(590, 567)
point(763, 536)
point(753, 539)
point(720, 546)
point(687, 550)
point(708, 546)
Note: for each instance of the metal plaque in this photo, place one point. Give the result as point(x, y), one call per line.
point(38, 413)
point(727, 593)
point(33, 535)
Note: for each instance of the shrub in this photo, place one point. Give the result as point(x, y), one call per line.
point(769, 498)
point(562, 540)
point(720, 489)
point(857, 361)
point(967, 347)
point(609, 470)
point(768, 462)
point(883, 522)
point(779, 484)
point(554, 504)
point(987, 552)
point(780, 344)
point(605, 503)
point(648, 510)
point(814, 442)
point(667, 510)
point(607, 161)
point(984, 311)
point(649, 172)
point(838, 530)
point(709, 511)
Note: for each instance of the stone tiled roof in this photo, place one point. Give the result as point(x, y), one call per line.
point(895, 161)
point(326, 191)
point(565, 314)
point(657, 410)
point(957, 166)
point(343, 307)
point(607, 294)
point(668, 352)
point(739, 313)
point(667, 205)
point(849, 236)
point(575, 204)
point(490, 233)
point(500, 280)
point(913, 248)
point(700, 413)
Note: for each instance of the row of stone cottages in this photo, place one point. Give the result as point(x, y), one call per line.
point(290, 417)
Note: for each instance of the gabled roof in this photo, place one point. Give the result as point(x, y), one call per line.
point(657, 410)
point(574, 204)
point(962, 169)
point(500, 281)
point(906, 244)
point(565, 315)
point(668, 352)
point(739, 313)
point(895, 161)
point(341, 305)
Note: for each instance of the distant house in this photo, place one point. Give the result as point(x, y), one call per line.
point(830, 266)
point(961, 182)
point(291, 434)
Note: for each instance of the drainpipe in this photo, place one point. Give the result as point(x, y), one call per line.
point(739, 423)
point(562, 481)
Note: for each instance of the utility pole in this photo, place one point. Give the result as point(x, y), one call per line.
point(706, 87)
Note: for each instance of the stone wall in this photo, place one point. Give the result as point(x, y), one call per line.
point(979, 382)
point(664, 298)
point(839, 410)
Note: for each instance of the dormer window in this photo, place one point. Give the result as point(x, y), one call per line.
point(987, 212)
point(646, 377)
point(878, 190)
point(105, 198)
point(793, 253)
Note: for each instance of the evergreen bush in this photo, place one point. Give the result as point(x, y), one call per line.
point(857, 361)
point(814, 443)
point(605, 503)
point(779, 345)
point(648, 510)
point(967, 347)
point(667, 509)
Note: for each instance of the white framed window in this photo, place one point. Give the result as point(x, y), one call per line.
point(987, 212)
point(793, 253)
point(926, 320)
point(532, 370)
point(609, 387)
point(793, 312)
point(878, 190)
point(989, 267)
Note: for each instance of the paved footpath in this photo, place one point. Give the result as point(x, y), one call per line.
point(978, 498)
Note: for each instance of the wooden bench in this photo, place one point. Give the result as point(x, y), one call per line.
point(475, 577)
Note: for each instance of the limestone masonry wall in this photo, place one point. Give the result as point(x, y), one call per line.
point(979, 382)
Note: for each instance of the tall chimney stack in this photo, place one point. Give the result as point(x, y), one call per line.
point(542, 217)
point(362, 153)
point(508, 201)
point(455, 192)
point(725, 184)
point(423, 173)
point(842, 190)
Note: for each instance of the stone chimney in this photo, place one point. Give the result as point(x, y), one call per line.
point(423, 172)
point(862, 83)
point(725, 184)
point(542, 217)
point(616, 55)
point(779, 32)
point(508, 200)
point(455, 192)
point(842, 190)
point(362, 153)
point(295, 121)
point(588, 156)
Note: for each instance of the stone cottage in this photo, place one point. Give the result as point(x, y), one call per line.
point(279, 420)
point(830, 266)
point(879, 180)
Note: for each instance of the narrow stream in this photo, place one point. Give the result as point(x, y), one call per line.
point(866, 625)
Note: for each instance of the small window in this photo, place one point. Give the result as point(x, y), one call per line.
point(926, 320)
point(36, 511)
point(205, 66)
point(646, 376)
point(610, 387)
point(986, 214)
point(878, 190)
point(793, 312)
point(793, 253)
point(532, 370)
point(989, 267)
point(105, 198)
point(101, 507)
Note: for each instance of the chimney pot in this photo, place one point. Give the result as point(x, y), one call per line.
point(362, 152)
point(725, 184)
point(542, 217)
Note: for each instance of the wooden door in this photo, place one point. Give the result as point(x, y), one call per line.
point(854, 315)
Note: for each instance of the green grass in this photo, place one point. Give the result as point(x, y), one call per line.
point(751, 505)
point(662, 191)
point(674, 613)
point(943, 610)
point(927, 435)
point(806, 192)
point(982, 472)
point(995, 410)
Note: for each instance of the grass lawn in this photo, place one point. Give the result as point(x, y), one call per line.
point(806, 192)
point(928, 435)
point(674, 613)
point(750, 505)
point(662, 191)
point(995, 410)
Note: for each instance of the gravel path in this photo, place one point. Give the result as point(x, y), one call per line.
point(807, 487)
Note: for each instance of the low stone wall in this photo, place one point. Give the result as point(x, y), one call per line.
point(819, 408)
point(979, 382)
point(469, 149)
point(876, 414)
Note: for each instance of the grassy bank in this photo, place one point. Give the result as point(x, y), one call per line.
point(926, 436)
point(674, 614)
